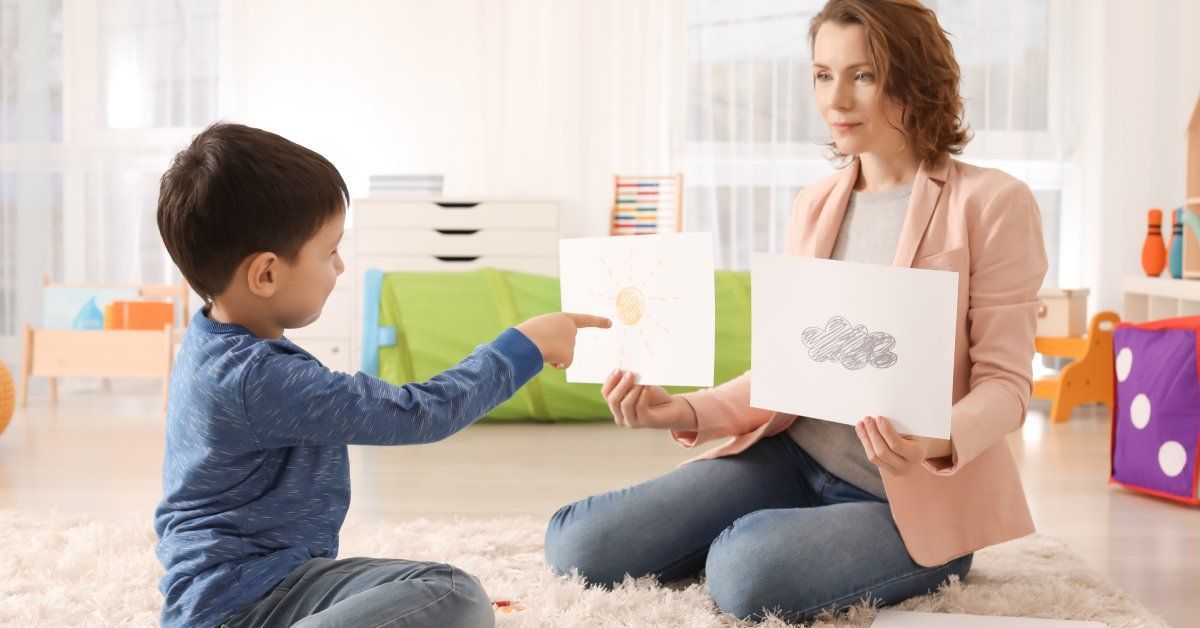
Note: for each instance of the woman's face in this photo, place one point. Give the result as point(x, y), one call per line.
point(861, 118)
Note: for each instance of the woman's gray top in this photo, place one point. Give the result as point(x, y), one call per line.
point(870, 233)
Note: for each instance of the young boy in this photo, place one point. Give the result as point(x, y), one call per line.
point(256, 481)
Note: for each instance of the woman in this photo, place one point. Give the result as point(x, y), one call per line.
point(795, 515)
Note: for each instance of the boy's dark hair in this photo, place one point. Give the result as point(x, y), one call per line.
point(237, 191)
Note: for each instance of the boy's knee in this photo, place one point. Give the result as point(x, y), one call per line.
point(476, 609)
point(466, 604)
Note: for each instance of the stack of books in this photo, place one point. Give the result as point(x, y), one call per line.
point(406, 185)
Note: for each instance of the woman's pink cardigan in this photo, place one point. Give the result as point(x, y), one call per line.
point(984, 225)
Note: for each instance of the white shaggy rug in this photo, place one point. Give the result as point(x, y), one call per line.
point(76, 571)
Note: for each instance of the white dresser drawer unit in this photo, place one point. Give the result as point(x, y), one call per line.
point(441, 213)
point(449, 235)
point(458, 242)
point(546, 265)
point(443, 234)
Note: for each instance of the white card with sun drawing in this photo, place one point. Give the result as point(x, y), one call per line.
point(658, 292)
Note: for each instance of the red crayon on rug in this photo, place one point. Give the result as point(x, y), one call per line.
point(505, 606)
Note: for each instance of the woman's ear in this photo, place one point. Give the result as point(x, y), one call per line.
point(262, 275)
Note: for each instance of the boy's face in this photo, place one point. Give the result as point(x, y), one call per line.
point(311, 276)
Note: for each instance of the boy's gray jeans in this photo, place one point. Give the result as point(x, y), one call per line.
point(372, 592)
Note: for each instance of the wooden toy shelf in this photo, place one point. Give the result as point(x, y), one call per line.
point(1151, 298)
point(108, 353)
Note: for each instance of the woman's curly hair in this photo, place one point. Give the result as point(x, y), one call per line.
point(915, 61)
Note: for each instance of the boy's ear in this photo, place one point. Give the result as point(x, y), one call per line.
point(262, 275)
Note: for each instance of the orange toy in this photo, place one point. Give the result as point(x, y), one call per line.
point(142, 314)
point(6, 396)
point(1154, 252)
point(1089, 378)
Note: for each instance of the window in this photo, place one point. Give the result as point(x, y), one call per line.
point(31, 126)
point(78, 187)
point(159, 63)
point(752, 135)
point(31, 71)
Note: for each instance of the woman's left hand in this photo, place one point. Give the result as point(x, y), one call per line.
point(890, 450)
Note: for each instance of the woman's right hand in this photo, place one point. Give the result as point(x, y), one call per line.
point(637, 406)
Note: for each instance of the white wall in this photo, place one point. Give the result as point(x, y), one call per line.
point(550, 97)
point(1133, 102)
point(504, 97)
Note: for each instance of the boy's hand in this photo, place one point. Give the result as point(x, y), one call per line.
point(554, 334)
point(636, 406)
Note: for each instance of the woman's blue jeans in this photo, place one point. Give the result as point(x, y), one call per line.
point(771, 528)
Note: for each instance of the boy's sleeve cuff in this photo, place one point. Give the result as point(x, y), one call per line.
point(526, 358)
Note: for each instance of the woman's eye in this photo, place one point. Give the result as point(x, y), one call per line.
point(863, 76)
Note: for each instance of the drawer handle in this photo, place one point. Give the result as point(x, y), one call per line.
point(456, 232)
point(455, 205)
point(333, 349)
point(456, 258)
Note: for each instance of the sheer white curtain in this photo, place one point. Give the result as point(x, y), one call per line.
point(31, 128)
point(753, 137)
point(505, 97)
point(539, 98)
point(94, 99)
point(533, 98)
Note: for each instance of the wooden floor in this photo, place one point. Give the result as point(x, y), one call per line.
point(101, 453)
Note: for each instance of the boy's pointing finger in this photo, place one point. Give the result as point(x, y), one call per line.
point(587, 320)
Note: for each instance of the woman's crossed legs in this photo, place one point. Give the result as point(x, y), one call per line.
point(773, 530)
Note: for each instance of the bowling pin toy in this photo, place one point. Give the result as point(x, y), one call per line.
point(1154, 253)
point(1175, 253)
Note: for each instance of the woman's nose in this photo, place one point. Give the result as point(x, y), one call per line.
point(840, 97)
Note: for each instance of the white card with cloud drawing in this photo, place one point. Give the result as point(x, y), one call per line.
point(658, 292)
point(840, 341)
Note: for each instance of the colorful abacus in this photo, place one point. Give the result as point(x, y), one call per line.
point(647, 204)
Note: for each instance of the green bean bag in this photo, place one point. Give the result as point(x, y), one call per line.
point(428, 322)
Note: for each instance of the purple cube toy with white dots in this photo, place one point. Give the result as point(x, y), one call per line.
point(1156, 418)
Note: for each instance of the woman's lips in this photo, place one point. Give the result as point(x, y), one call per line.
point(845, 127)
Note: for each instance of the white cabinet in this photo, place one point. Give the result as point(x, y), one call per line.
point(447, 213)
point(458, 242)
point(445, 235)
point(1152, 298)
point(423, 235)
point(534, 265)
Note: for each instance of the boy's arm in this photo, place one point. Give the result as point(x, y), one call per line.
point(291, 400)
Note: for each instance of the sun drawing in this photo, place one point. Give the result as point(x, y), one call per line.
point(631, 306)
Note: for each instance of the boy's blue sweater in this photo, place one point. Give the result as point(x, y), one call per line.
point(256, 479)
